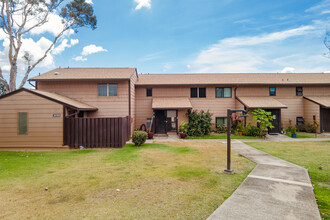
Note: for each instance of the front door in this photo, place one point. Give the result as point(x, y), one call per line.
point(171, 120)
point(160, 121)
point(276, 113)
point(325, 120)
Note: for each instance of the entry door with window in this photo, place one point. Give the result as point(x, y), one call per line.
point(171, 120)
point(325, 119)
point(276, 113)
point(160, 121)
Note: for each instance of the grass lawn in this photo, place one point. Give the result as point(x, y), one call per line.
point(306, 135)
point(155, 181)
point(221, 136)
point(309, 155)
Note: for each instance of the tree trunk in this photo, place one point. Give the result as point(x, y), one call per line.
point(13, 73)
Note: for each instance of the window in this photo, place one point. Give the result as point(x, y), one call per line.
point(148, 123)
point(220, 121)
point(223, 92)
point(103, 88)
point(149, 92)
point(112, 89)
point(109, 89)
point(300, 121)
point(299, 91)
point(198, 92)
point(202, 93)
point(22, 123)
point(272, 91)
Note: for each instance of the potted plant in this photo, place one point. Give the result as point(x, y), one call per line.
point(183, 129)
point(294, 132)
point(150, 134)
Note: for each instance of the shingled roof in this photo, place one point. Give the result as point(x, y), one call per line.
point(86, 74)
point(235, 79)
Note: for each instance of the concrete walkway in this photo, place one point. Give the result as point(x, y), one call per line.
point(275, 189)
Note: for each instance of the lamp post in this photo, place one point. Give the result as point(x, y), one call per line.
point(228, 170)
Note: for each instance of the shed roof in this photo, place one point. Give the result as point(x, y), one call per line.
point(71, 103)
point(86, 74)
point(323, 101)
point(171, 103)
point(235, 79)
point(260, 102)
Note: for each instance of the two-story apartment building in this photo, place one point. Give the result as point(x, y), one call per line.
point(296, 97)
point(160, 101)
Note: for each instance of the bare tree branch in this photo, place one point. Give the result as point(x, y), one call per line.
point(43, 57)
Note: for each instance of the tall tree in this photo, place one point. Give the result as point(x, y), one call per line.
point(18, 18)
point(327, 43)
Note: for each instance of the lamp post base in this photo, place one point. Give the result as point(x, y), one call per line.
point(226, 171)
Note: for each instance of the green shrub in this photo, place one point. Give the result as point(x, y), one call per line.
point(264, 120)
point(221, 128)
point(139, 137)
point(199, 123)
point(293, 130)
point(183, 127)
point(251, 130)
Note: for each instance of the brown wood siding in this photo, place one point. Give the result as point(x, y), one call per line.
point(87, 92)
point(310, 109)
point(44, 130)
point(133, 111)
point(182, 116)
point(217, 106)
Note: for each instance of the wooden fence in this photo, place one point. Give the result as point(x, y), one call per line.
point(96, 132)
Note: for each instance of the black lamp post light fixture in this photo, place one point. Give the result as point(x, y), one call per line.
point(228, 170)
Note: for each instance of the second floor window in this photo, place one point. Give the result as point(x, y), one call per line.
point(299, 91)
point(149, 92)
point(272, 91)
point(197, 92)
point(223, 92)
point(107, 89)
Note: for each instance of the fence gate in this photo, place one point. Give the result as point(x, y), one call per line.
point(96, 132)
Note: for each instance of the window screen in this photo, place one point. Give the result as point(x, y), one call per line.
point(149, 92)
point(112, 89)
point(193, 92)
point(102, 89)
point(202, 92)
point(223, 92)
point(220, 121)
point(300, 121)
point(299, 91)
point(22, 123)
point(272, 91)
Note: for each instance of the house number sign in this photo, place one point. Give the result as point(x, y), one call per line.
point(56, 115)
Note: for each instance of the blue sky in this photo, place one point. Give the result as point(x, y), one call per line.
point(167, 36)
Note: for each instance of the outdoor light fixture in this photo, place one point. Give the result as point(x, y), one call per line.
point(229, 115)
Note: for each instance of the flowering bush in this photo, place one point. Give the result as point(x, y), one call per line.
point(199, 123)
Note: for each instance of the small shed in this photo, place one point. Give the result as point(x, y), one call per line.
point(33, 119)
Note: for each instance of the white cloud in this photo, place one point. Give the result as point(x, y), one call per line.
point(300, 48)
point(89, 2)
point(319, 7)
point(325, 12)
point(80, 58)
point(64, 44)
point(90, 49)
point(288, 70)
point(142, 3)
